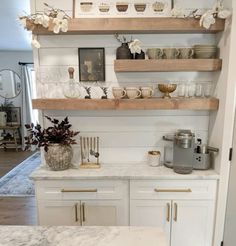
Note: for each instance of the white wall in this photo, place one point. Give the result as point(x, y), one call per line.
point(125, 136)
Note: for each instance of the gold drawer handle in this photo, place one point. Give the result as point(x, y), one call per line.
point(173, 190)
point(76, 212)
point(176, 212)
point(168, 212)
point(79, 191)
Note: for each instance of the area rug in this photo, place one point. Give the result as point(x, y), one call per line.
point(17, 182)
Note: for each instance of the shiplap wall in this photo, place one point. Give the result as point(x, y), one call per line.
point(125, 136)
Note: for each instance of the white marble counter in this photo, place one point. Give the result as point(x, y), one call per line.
point(81, 236)
point(121, 171)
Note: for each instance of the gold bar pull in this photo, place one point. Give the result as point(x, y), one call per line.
point(83, 212)
point(173, 190)
point(76, 212)
point(168, 212)
point(175, 212)
point(79, 191)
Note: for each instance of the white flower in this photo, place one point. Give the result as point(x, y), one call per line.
point(207, 19)
point(177, 12)
point(35, 43)
point(134, 46)
point(45, 21)
point(23, 21)
point(42, 19)
point(60, 25)
point(223, 14)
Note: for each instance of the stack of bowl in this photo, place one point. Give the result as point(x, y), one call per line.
point(205, 51)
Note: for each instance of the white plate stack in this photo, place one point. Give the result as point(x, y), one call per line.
point(205, 51)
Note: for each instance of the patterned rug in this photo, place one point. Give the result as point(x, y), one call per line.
point(17, 182)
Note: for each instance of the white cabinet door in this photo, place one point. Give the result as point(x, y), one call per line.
point(104, 213)
point(192, 223)
point(59, 213)
point(151, 213)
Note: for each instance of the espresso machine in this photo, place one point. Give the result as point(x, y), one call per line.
point(184, 154)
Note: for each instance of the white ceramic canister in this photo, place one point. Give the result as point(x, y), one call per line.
point(154, 158)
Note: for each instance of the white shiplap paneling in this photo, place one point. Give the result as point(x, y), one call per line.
point(125, 136)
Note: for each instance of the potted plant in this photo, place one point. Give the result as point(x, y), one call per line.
point(56, 141)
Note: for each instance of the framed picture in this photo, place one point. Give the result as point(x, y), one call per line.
point(14, 116)
point(92, 64)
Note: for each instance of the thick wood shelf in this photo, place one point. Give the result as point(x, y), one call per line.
point(168, 65)
point(131, 25)
point(127, 104)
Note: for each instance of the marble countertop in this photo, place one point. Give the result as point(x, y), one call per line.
point(121, 171)
point(81, 236)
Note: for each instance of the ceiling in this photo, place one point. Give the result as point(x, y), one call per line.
point(13, 36)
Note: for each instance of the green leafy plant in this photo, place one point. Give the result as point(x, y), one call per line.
point(59, 133)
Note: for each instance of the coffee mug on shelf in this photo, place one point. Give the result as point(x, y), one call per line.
point(186, 53)
point(154, 53)
point(118, 92)
point(154, 158)
point(133, 92)
point(147, 92)
point(170, 53)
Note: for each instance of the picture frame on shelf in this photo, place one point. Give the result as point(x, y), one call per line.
point(14, 116)
point(91, 64)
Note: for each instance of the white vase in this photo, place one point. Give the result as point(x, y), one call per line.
point(3, 118)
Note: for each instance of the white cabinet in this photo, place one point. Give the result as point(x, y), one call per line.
point(54, 213)
point(89, 203)
point(151, 213)
point(192, 223)
point(184, 209)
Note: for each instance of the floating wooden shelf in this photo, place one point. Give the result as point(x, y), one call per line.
point(131, 25)
point(127, 104)
point(168, 65)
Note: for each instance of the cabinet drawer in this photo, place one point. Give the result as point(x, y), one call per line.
point(177, 189)
point(77, 190)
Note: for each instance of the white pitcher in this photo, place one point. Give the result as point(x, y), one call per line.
point(3, 118)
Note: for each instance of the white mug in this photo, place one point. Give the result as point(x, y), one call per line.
point(118, 92)
point(133, 92)
point(147, 92)
point(154, 158)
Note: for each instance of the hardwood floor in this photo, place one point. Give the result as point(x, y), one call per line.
point(15, 210)
point(18, 211)
point(10, 159)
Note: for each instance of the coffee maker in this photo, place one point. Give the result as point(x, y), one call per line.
point(186, 154)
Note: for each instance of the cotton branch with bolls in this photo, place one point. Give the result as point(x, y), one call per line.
point(58, 17)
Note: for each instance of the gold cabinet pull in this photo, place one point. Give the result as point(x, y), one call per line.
point(175, 212)
point(76, 212)
point(83, 211)
point(168, 212)
point(173, 190)
point(79, 191)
